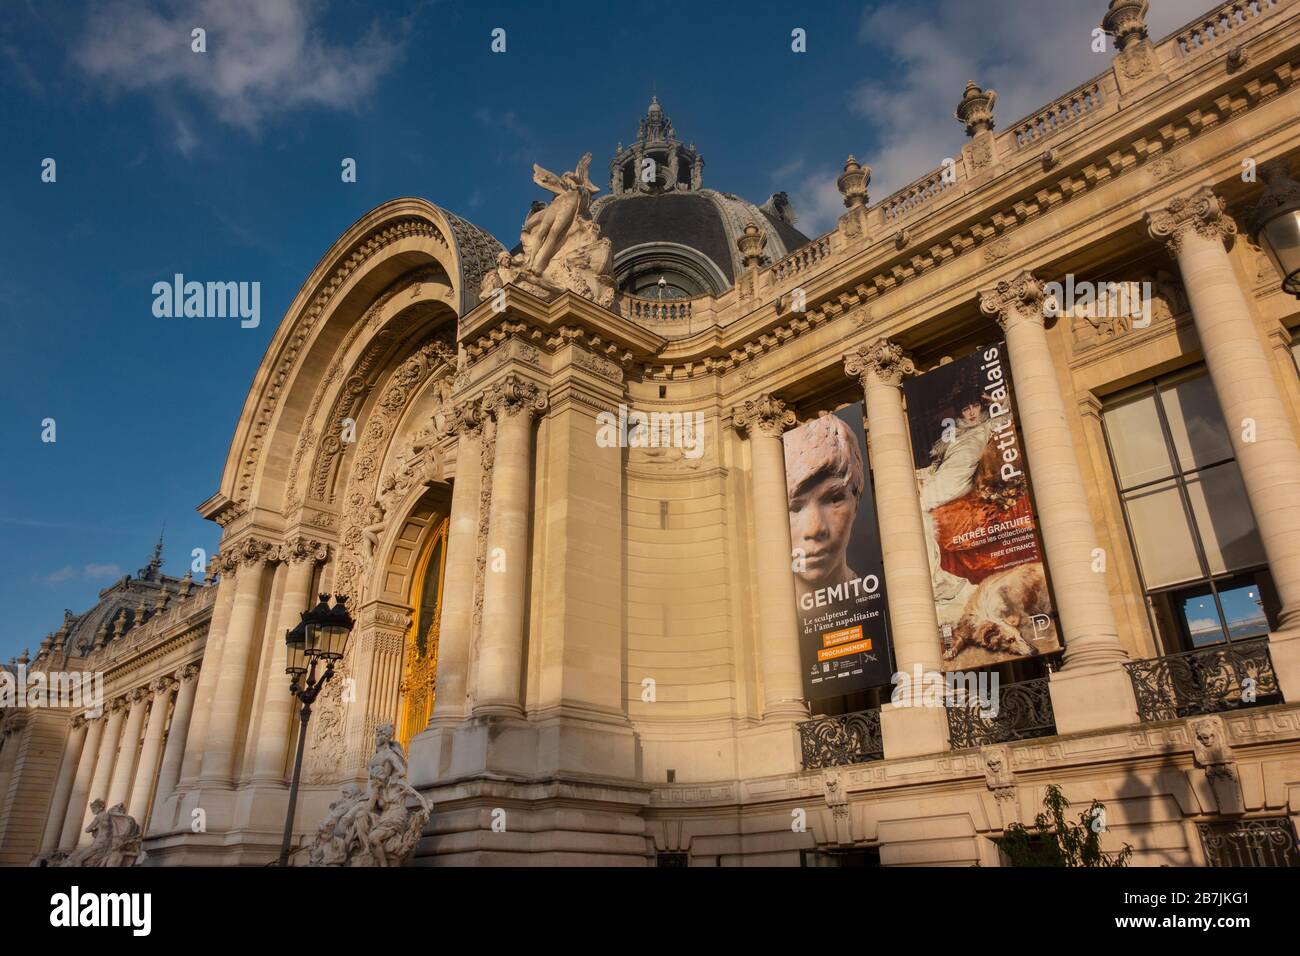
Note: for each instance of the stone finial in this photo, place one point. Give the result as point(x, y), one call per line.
point(186, 585)
point(853, 182)
point(883, 360)
point(1023, 298)
point(1126, 22)
point(751, 244)
point(1201, 213)
point(119, 623)
point(766, 414)
point(163, 597)
point(976, 109)
point(101, 635)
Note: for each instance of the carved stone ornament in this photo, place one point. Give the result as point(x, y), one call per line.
point(1023, 298)
point(884, 360)
point(562, 249)
point(837, 801)
point(299, 549)
point(751, 244)
point(248, 552)
point(853, 183)
point(765, 414)
point(466, 419)
point(1200, 214)
point(377, 827)
point(1126, 22)
point(997, 772)
point(975, 110)
point(1213, 754)
point(513, 395)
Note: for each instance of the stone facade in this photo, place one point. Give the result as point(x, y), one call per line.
point(617, 673)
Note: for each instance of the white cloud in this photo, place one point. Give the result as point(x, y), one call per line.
point(1029, 51)
point(264, 57)
point(88, 572)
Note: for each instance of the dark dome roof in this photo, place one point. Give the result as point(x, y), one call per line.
point(688, 219)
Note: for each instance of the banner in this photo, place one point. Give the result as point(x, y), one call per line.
point(986, 567)
point(839, 581)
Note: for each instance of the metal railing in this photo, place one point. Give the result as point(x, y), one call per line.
point(837, 741)
point(1024, 711)
point(1205, 681)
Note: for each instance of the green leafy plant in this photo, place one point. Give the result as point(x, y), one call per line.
point(1055, 841)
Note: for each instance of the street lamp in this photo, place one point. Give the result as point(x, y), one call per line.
point(1275, 223)
point(321, 635)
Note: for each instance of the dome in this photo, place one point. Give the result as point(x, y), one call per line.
point(671, 237)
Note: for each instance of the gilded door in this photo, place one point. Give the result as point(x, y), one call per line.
point(420, 656)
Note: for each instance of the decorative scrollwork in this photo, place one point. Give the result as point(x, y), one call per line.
point(1204, 681)
point(1269, 841)
point(1024, 711)
point(837, 741)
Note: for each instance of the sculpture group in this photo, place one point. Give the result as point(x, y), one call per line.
point(377, 827)
point(561, 247)
point(116, 840)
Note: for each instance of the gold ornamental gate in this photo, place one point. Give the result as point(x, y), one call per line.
point(420, 656)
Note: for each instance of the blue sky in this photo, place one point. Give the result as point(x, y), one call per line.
point(225, 166)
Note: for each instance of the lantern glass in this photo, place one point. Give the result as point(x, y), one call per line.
point(1280, 240)
point(295, 642)
point(314, 623)
point(335, 627)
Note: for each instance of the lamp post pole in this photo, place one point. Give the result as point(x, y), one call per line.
point(321, 635)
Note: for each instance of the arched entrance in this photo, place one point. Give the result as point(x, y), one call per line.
point(420, 652)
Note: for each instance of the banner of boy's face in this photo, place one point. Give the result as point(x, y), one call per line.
point(986, 568)
point(839, 584)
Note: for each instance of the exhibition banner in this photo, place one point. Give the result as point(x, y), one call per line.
point(839, 581)
point(986, 566)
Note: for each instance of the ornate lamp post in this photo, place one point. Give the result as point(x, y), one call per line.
point(1275, 223)
point(321, 635)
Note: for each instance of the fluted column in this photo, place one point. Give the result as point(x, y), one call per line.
point(226, 565)
point(462, 557)
point(299, 557)
point(142, 788)
point(103, 764)
point(1069, 538)
point(513, 403)
point(913, 623)
point(1194, 228)
point(764, 420)
point(80, 795)
point(219, 748)
point(124, 769)
point(174, 752)
point(63, 785)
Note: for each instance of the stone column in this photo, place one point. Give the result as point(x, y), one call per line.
point(1195, 227)
point(462, 557)
point(299, 557)
point(63, 785)
point(1093, 689)
point(124, 769)
point(764, 420)
point(142, 788)
point(103, 765)
point(512, 402)
point(913, 623)
point(227, 566)
point(219, 749)
point(77, 801)
point(174, 752)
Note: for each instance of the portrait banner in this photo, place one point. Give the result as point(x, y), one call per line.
point(986, 565)
point(839, 582)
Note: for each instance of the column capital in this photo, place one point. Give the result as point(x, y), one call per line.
point(79, 722)
point(299, 549)
point(137, 695)
point(765, 414)
point(161, 685)
point(1022, 299)
point(187, 673)
point(883, 360)
point(116, 705)
point(246, 553)
point(1200, 213)
point(465, 419)
point(513, 395)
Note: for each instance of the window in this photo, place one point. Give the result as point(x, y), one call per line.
point(1188, 517)
point(1266, 841)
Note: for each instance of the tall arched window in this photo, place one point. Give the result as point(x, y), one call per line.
point(420, 656)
